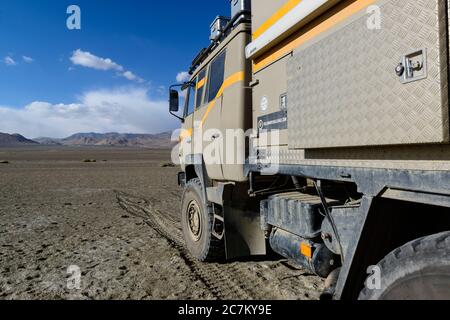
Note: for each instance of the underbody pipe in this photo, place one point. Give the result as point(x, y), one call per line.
point(321, 260)
point(330, 285)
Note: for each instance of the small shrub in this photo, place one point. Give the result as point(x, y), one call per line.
point(167, 165)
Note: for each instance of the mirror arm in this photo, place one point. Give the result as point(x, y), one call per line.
point(180, 118)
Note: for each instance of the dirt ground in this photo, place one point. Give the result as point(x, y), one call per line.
point(116, 222)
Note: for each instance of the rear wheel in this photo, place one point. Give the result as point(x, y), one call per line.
point(420, 270)
point(198, 224)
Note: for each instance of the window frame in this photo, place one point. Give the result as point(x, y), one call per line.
point(206, 98)
point(188, 99)
point(201, 103)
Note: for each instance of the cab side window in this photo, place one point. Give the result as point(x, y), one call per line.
point(200, 88)
point(216, 76)
point(190, 100)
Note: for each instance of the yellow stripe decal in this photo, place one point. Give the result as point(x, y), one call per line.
point(295, 40)
point(235, 78)
point(239, 76)
point(185, 134)
point(276, 17)
point(201, 83)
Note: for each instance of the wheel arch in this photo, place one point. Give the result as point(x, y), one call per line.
point(190, 173)
point(389, 225)
point(196, 169)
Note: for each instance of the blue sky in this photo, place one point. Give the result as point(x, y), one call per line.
point(103, 77)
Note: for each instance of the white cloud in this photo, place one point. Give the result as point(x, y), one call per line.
point(119, 110)
point(129, 75)
point(161, 90)
point(27, 59)
point(132, 77)
point(89, 60)
point(183, 76)
point(9, 61)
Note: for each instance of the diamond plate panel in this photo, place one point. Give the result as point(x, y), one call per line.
point(418, 157)
point(344, 92)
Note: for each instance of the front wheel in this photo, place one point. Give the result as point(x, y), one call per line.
point(197, 224)
point(420, 270)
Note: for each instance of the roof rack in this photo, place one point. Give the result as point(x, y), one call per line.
point(204, 53)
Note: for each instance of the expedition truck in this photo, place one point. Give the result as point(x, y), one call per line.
point(344, 106)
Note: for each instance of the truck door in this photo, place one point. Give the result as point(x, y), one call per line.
point(186, 148)
point(207, 118)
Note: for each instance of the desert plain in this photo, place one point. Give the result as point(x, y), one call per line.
point(112, 215)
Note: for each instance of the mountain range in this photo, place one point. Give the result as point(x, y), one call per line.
point(15, 140)
point(161, 140)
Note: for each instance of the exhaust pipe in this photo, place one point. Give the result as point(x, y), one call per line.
point(313, 256)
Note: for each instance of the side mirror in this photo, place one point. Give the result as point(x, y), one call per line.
point(174, 101)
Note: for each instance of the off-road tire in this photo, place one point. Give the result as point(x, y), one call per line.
point(420, 270)
point(208, 248)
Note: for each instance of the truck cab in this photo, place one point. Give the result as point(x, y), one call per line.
point(218, 106)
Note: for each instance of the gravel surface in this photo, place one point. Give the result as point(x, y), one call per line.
point(115, 222)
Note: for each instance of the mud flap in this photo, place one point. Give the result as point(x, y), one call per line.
point(243, 234)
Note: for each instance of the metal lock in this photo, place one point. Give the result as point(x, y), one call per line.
point(412, 67)
point(400, 69)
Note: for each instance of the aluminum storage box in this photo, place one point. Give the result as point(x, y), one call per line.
point(217, 27)
point(237, 6)
point(344, 88)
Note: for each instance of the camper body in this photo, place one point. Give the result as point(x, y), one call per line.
point(344, 114)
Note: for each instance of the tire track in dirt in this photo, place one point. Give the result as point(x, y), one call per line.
point(235, 280)
point(219, 281)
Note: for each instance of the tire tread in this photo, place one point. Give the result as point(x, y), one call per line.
point(416, 248)
point(215, 248)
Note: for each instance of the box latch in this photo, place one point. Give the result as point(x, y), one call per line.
point(413, 66)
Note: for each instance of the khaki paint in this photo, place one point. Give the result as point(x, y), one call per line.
point(263, 10)
point(230, 110)
point(272, 84)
